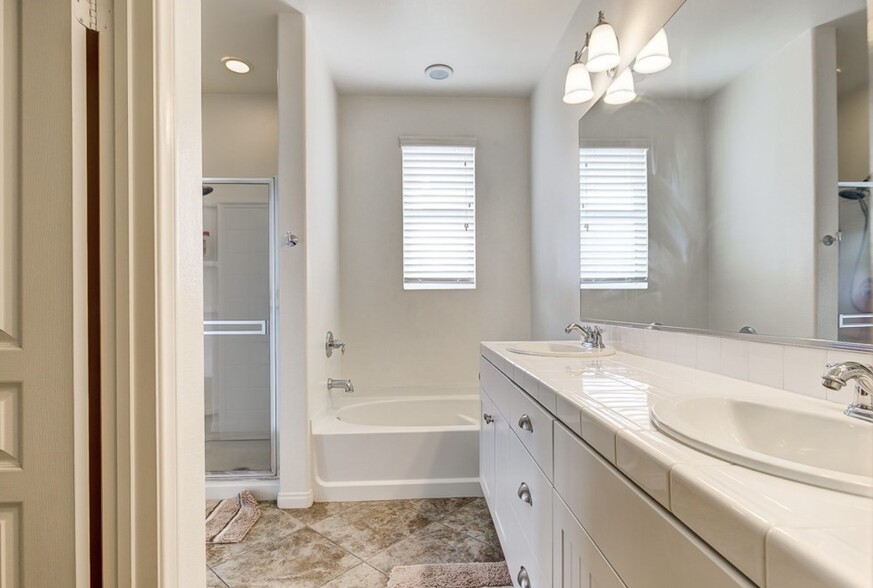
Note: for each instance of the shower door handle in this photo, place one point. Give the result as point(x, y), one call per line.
point(235, 327)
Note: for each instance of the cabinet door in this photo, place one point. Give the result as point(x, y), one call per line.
point(577, 562)
point(487, 428)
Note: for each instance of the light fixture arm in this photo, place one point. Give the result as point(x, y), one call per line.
point(577, 56)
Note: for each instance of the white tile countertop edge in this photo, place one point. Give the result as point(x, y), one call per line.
point(776, 531)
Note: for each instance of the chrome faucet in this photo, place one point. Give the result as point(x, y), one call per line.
point(340, 385)
point(839, 374)
point(592, 337)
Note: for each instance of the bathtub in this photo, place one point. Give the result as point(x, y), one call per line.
point(390, 448)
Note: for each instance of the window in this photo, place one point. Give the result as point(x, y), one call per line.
point(439, 214)
point(614, 217)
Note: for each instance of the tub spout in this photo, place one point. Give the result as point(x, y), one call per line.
point(340, 385)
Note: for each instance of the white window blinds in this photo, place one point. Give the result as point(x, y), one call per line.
point(614, 217)
point(439, 216)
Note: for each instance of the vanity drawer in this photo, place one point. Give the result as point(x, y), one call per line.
point(533, 425)
point(532, 503)
point(496, 384)
point(522, 565)
point(645, 544)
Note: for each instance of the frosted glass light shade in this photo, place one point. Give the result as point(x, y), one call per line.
point(655, 56)
point(621, 90)
point(577, 88)
point(603, 49)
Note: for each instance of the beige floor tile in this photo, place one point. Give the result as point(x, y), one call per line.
point(436, 508)
point(213, 581)
point(474, 520)
point(319, 511)
point(303, 559)
point(370, 527)
point(436, 543)
point(363, 576)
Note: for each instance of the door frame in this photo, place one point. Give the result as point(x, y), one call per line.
point(152, 288)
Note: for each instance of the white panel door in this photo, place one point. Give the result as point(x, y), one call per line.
point(37, 260)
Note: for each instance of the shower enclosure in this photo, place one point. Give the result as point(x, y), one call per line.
point(855, 281)
point(239, 314)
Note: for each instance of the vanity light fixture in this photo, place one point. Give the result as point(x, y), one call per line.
point(621, 90)
point(577, 87)
point(236, 65)
point(655, 56)
point(603, 52)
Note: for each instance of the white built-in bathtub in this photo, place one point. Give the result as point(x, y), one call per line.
point(387, 448)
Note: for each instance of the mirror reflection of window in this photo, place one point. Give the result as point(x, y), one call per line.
point(760, 131)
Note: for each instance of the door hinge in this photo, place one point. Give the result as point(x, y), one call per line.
point(86, 13)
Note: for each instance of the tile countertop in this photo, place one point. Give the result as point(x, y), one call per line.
point(777, 532)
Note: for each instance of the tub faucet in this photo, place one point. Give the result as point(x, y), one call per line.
point(839, 374)
point(340, 385)
point(592, 337)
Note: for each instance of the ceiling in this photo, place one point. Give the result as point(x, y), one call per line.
point(714, 41)
point(496, 47)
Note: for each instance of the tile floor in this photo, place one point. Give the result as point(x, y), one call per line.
point(353, 544)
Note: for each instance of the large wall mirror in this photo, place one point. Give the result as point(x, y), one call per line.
point(734, 193)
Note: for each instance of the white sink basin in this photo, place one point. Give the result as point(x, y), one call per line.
point(557, 349)
point(803, 443)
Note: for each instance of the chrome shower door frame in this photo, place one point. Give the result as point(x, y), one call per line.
point(271, 333)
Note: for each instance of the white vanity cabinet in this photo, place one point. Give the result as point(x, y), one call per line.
point(567, 518)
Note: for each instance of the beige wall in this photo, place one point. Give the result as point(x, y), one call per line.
point(405, 340)
point(240, 135)
point(854, 114)
point(322, 248)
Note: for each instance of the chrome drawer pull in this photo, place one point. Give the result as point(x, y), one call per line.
point(523, 578)
point(524, 423)
point(488, 418)
point(524, 494)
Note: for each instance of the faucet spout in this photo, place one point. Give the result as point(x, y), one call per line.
point(338, 384)
point(839, 374)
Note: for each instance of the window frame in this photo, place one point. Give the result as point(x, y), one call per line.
point(629, 281)
point(439, 282)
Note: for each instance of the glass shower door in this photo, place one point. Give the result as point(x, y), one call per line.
point(238, 315)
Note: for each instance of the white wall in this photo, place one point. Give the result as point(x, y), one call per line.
point(674, 131)
point(554, 160)
point(322, 249)
point(295, 478)
point(240, 135)
point(761, 172)
point(405, 339)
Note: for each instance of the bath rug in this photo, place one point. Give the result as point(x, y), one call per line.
point(455, 575)
point(230, 520)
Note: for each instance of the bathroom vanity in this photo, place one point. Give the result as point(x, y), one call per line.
point(584, 491)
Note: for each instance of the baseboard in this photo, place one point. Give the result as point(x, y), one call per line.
point(396, 489)
point(294, 499)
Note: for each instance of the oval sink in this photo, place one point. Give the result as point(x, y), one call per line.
point(557, 349)
point(809, 445)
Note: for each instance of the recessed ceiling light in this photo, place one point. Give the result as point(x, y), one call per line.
point(236, 65)
point(438, 71)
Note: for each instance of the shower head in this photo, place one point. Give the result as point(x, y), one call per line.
point(854, 193)
point(207, 190)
